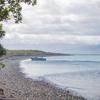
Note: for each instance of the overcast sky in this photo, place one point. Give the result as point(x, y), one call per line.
point(71, 26)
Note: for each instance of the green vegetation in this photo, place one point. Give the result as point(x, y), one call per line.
point(11, 9)
point(2, 65)
point(2, 50)
point(30, 52)
point(2, 33)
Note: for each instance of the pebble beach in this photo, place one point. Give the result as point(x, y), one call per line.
point(16, 86)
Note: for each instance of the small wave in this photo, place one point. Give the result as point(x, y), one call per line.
point(74, 61)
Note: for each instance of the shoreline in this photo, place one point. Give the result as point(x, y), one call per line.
point(16, 85)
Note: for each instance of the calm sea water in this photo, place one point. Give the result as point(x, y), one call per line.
point(79, 73)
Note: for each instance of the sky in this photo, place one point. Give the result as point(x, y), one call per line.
point(69, 26)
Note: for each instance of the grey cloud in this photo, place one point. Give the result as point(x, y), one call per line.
point(52, 17)
point(59, 18)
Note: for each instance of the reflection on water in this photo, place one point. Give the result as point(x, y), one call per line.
point(80, 73)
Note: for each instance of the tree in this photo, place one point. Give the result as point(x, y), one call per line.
point(2, 50)
point(11, 9)
point(2, 33)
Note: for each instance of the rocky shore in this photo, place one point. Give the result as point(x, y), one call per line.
point(15, 85)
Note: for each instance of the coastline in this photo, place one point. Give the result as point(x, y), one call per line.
point(16, 85)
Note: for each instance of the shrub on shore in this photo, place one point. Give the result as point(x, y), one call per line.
point(2, 65)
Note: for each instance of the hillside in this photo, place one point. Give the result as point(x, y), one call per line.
point(31, 52)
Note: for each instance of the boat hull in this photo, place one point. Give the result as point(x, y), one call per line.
point(38, 59)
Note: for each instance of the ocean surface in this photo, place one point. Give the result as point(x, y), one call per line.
point(78, 73)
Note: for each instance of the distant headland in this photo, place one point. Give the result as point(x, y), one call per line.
point(32, 53)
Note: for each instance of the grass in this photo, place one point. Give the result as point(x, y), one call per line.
point(30, 52)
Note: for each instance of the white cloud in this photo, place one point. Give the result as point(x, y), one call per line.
point(66, 16)
point(57, 21)
point(49, 39)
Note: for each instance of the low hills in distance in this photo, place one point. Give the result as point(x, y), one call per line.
point(32, 52)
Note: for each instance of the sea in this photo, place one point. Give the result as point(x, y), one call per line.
point(77, 73)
